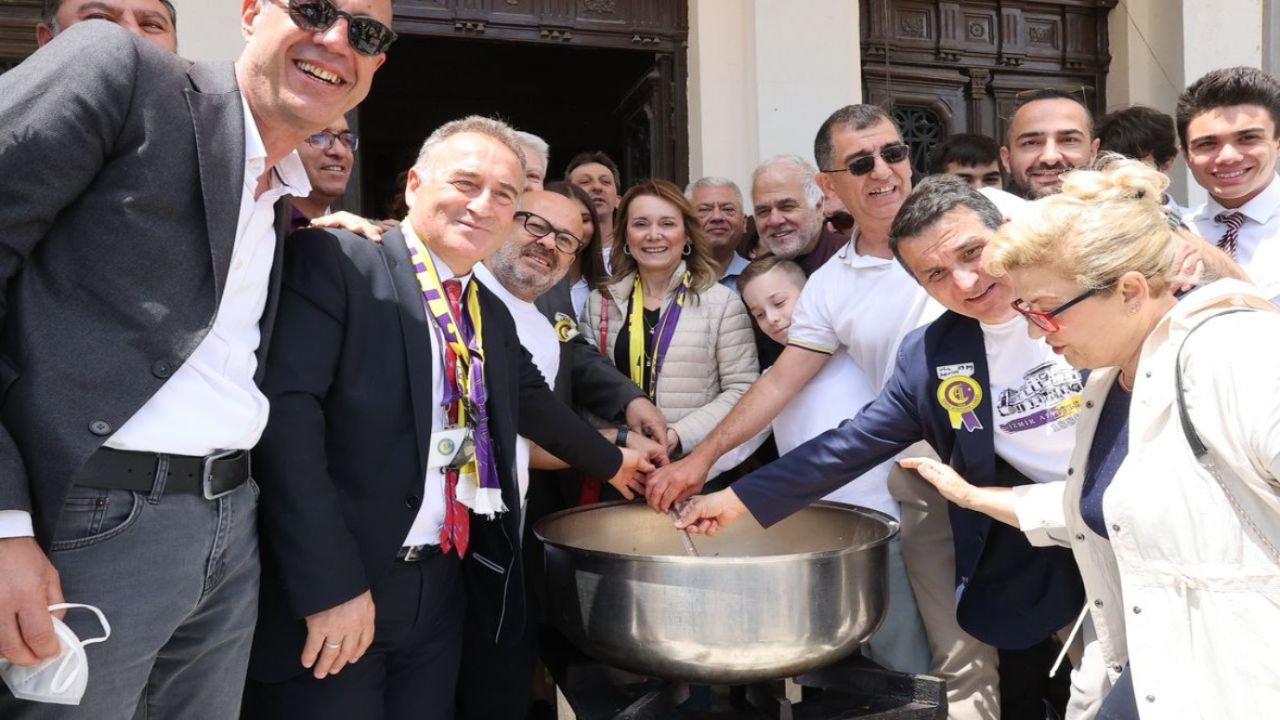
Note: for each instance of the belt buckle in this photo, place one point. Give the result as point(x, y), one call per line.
point(206, 474)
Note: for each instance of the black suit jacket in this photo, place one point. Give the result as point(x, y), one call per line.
point(587, 378)
point(342, 461)
point(121, 168)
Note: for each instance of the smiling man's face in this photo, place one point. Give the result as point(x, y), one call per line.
point(1047, 139)
point(1232, 152)
point(328, 169)
point(528, 265)
point(297, 81)
point(945, 259)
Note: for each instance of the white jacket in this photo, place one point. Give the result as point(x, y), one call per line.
point(712, 360)
point(1183, 590)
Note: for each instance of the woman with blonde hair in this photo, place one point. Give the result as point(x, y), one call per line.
point(1171, 504)
point(668, 324)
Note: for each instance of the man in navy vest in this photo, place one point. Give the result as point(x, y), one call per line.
point(995, 404)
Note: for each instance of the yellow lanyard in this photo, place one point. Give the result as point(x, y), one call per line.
point(438, 308)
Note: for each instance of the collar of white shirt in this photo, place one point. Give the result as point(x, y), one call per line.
point(851, 257)
point(1260, 209)
point(289, 172)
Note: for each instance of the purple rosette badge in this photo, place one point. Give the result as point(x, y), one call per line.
point(960, 396)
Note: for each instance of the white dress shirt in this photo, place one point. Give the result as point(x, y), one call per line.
point(1257, 242)
point(212, 403)
point(425, 529)
point(538, 336)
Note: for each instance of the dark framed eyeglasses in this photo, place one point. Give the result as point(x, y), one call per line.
point(1047, 320)
point(324, 139)
point(891, 154)
point(539, 227)
point(365, 35)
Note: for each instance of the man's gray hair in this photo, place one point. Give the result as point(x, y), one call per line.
point(853, 117)
point(794, 163)
point(713, 181)
point(478, 124)
point(539, 145)
point(49, 14)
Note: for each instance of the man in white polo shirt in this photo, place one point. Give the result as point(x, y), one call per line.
point(861, 300)
point(1227, 125)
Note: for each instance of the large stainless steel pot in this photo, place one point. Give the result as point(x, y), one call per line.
point(756, 604)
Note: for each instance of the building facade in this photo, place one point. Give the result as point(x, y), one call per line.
point(684, 88)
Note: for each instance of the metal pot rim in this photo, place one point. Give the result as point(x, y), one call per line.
point(888, 521)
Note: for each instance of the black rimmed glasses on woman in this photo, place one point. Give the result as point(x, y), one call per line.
point(539, 227)
point(1047, 320)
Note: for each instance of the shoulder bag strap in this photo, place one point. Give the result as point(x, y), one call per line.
point(1207, 458)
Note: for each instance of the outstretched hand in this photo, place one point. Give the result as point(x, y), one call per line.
point(707, 514)
point(940, 475)
point(630, 478)
point(343, 220)
point(675, 482)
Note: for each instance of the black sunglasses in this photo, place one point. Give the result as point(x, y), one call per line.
point(891, 154)
point(538, 226)
point(324, 139)
point(365, 35)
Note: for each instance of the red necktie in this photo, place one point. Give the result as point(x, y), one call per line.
point(1233, 221)
point(457, 520)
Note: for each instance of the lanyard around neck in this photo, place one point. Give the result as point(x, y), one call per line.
point(463, 335)
point(663, 332)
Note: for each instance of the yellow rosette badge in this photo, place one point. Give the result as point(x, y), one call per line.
point(960, 396)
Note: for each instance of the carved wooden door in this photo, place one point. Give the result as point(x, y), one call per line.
point(947, 66)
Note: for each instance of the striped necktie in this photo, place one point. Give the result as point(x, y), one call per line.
point(1233, 221)
point(456, 531)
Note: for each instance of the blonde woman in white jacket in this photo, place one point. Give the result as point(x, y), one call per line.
point(1179, 562)
point(665, 321)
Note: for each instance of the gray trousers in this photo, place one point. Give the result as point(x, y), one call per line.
point(177, 578)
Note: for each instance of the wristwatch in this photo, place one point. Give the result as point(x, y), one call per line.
point(621, 439)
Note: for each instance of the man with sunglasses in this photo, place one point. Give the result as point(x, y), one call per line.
point(990, 400)
point(327, 156)
point(862, 303)
point(139, 275)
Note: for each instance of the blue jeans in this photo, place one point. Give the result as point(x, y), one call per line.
point(177, 578)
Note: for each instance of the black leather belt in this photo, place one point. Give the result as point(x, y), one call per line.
point(211, 476)
point(418, 553)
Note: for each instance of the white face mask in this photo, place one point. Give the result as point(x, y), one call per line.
point(61, 680)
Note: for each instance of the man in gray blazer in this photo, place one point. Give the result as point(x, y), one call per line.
point(138, 271)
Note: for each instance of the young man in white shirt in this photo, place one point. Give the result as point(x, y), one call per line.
point(1228, 122)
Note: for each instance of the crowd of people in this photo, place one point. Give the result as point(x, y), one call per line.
point(290, 458)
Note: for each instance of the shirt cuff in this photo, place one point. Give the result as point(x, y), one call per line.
point(1039, 508)
point(816, 347)
point(15, 523)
